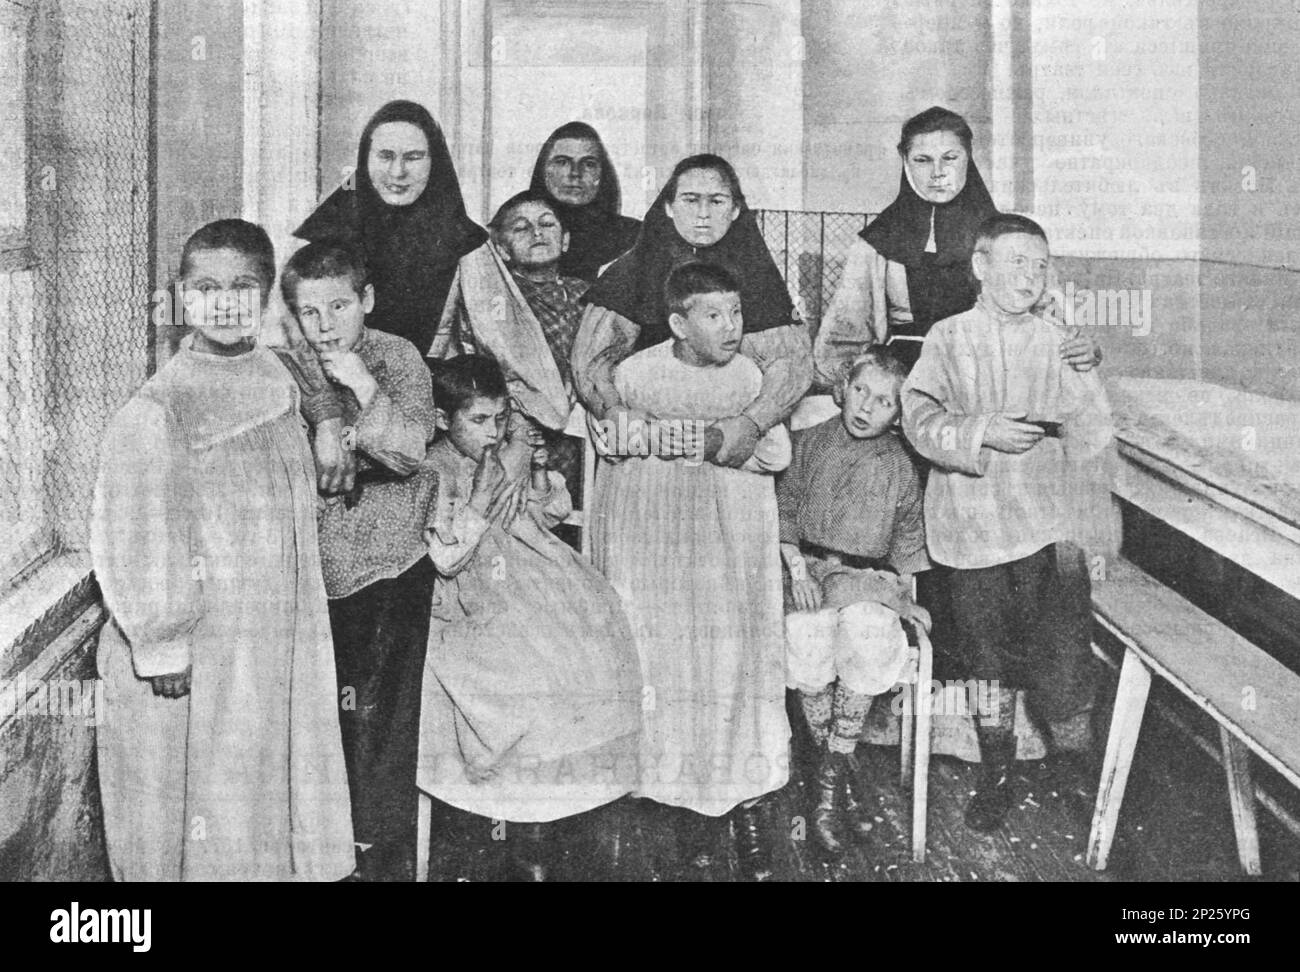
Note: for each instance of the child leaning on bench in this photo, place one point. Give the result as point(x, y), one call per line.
point(851, 537)
point(1011, 431)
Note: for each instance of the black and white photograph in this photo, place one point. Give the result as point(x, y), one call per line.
point(651, 441)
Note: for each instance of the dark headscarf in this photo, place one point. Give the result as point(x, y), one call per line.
point(597, 231)
point(634, 286)
point(411, 250)
point(939, 284)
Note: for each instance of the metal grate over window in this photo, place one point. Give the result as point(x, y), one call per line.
point(76, 307)
point(809, 249)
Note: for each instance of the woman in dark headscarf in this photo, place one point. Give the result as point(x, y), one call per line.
point(700, 215)
point(574, 172)
point(407, 215)
point(911, 266)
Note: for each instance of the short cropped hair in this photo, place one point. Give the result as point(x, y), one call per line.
point(238, 235)
point(458, 381)
point(323, 261)
point(498, 222)
point(1005, 224)
point(882, 357)
point(695, 278)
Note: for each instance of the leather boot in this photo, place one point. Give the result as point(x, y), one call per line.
point(827, 827)
point(751, 852)
point(993, 795)
point(857, 812)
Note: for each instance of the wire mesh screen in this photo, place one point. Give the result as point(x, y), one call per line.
point(810, 248)
point(75, 339)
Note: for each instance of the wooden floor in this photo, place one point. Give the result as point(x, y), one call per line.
point(1175, 826)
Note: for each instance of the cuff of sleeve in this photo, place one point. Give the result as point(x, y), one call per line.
point(161, 657)
point(321, 407)
point(761, 418)
point(373, 420)
point(979, 460)
point(914, 564)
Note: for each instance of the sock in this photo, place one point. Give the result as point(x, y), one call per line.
point(850, 718)
point(817, 712)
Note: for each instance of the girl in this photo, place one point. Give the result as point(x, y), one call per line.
point(531, 683)
point(693, 549)
point(219, 754)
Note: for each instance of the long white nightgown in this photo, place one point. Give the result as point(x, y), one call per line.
point(204, 544)
point(692, 548)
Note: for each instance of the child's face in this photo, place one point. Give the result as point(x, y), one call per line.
point(532, 237)
point(223, 296)
point(331, 313)
point(870, 404)
point(1013, 272)
point(479, 424)
point(711, 328)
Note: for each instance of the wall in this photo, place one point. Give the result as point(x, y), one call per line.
point(199, 120)
point(1250, 196)
point(754, 56)
point(872, 64)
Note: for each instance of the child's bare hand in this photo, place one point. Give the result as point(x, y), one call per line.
point(740, 435)
point(336, 464)
point(347, 368)
point(490, 483)
point(807, 594)
point(541, 458)
point(175, 686)
point(917, 615)
point(1079, 352)
point(1011, 434)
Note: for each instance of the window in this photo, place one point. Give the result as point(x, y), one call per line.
point(74, 257)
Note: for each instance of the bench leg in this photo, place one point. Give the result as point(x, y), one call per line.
point(921, 708)
point(1130, 703)
point(1241, 793)
point(423, 838)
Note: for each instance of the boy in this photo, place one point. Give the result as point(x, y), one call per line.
point(991, 405)
point(691, 548)
point(377, 577)
point(851, 537)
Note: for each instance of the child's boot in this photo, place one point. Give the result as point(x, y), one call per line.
point(751, 852)
point(827, 826)
point(993, 796)
point(857, 811)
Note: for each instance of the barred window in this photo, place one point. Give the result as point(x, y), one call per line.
point(74, 257)
point(810, 249)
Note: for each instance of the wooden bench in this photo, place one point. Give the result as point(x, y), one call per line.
point(1254, 698)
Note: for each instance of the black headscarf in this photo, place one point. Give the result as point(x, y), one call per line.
point(598, 233)
point(939, 284)
point(411, 250)
point(634, 286)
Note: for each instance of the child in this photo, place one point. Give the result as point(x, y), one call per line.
point(851, 537)
point(531, 685)
point(377, 577)
point(692, 547)
point(1003, 420)
point(511, 304)
point(219, 754)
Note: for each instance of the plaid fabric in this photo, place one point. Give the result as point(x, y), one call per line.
point(556, 306)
